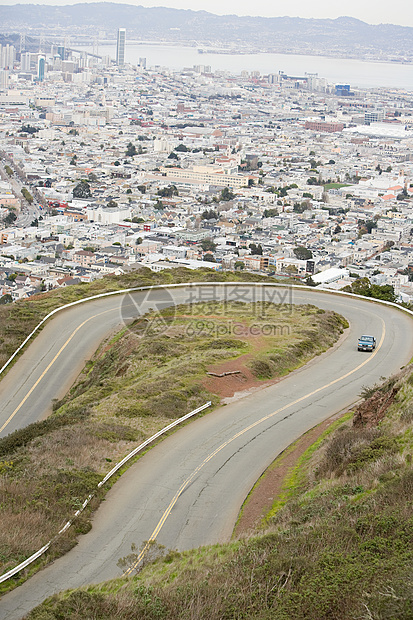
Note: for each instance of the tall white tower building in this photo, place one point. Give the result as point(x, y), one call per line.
point(120, 47)
point(7, 56)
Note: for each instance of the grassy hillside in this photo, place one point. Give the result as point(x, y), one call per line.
point(148, 374)
point(336, 546)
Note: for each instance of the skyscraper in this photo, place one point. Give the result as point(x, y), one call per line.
point(7, 56)
point(120, 47)
point(25, 61)
point(4, 79)
point(41, 63)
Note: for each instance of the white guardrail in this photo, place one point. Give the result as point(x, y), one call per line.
point(32, 558)
point(36, 555)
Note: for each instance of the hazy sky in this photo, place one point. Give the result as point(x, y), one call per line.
point(371, 11)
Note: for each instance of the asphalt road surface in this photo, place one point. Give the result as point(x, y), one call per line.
point(187, 490)
point(28, 211)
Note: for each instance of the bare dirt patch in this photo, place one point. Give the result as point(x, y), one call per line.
point(227, 387)
point(372, 411)
point(245, 380)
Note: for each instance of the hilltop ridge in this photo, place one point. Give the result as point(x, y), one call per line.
point(344, 36)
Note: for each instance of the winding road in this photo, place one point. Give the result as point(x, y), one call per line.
point(188, 489)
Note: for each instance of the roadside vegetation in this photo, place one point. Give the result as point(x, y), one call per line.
point(338, 546)
point(363, 286)
point(148, 374)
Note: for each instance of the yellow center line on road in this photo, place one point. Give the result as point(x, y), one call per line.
point(62, 348)
point(236, 436)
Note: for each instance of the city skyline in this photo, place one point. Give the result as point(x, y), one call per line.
point(369, 12)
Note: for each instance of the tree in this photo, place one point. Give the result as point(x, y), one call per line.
point(82, 190)
point(208, 257)
point(302, 253)
point(181, 148)
point(300, 208)
point(10, 218)
point(112, 204)
point(168, 192)
point(173, 156)
point(92, 177)
point(362, 286)
point(129, 191)
point(29, 129)
point(142, 189)
point(27, 195)
point(130, 150)
point(403, 195)
point(210, 214)
point(366, 226)
point(370, 224)
point(270, 212)
point(226, 194)
point(208, 245)
point(312, 181)
point(6, 299)
point(8, 170)
point(256, 249)
point(239, 264)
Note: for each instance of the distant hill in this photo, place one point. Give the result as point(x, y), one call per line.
point(335, 37)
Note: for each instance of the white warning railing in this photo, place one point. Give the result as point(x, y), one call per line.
point(32, 558)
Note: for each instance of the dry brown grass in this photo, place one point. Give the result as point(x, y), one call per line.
point(76, 448)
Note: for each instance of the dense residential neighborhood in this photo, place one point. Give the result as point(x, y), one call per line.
point(105, 169)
